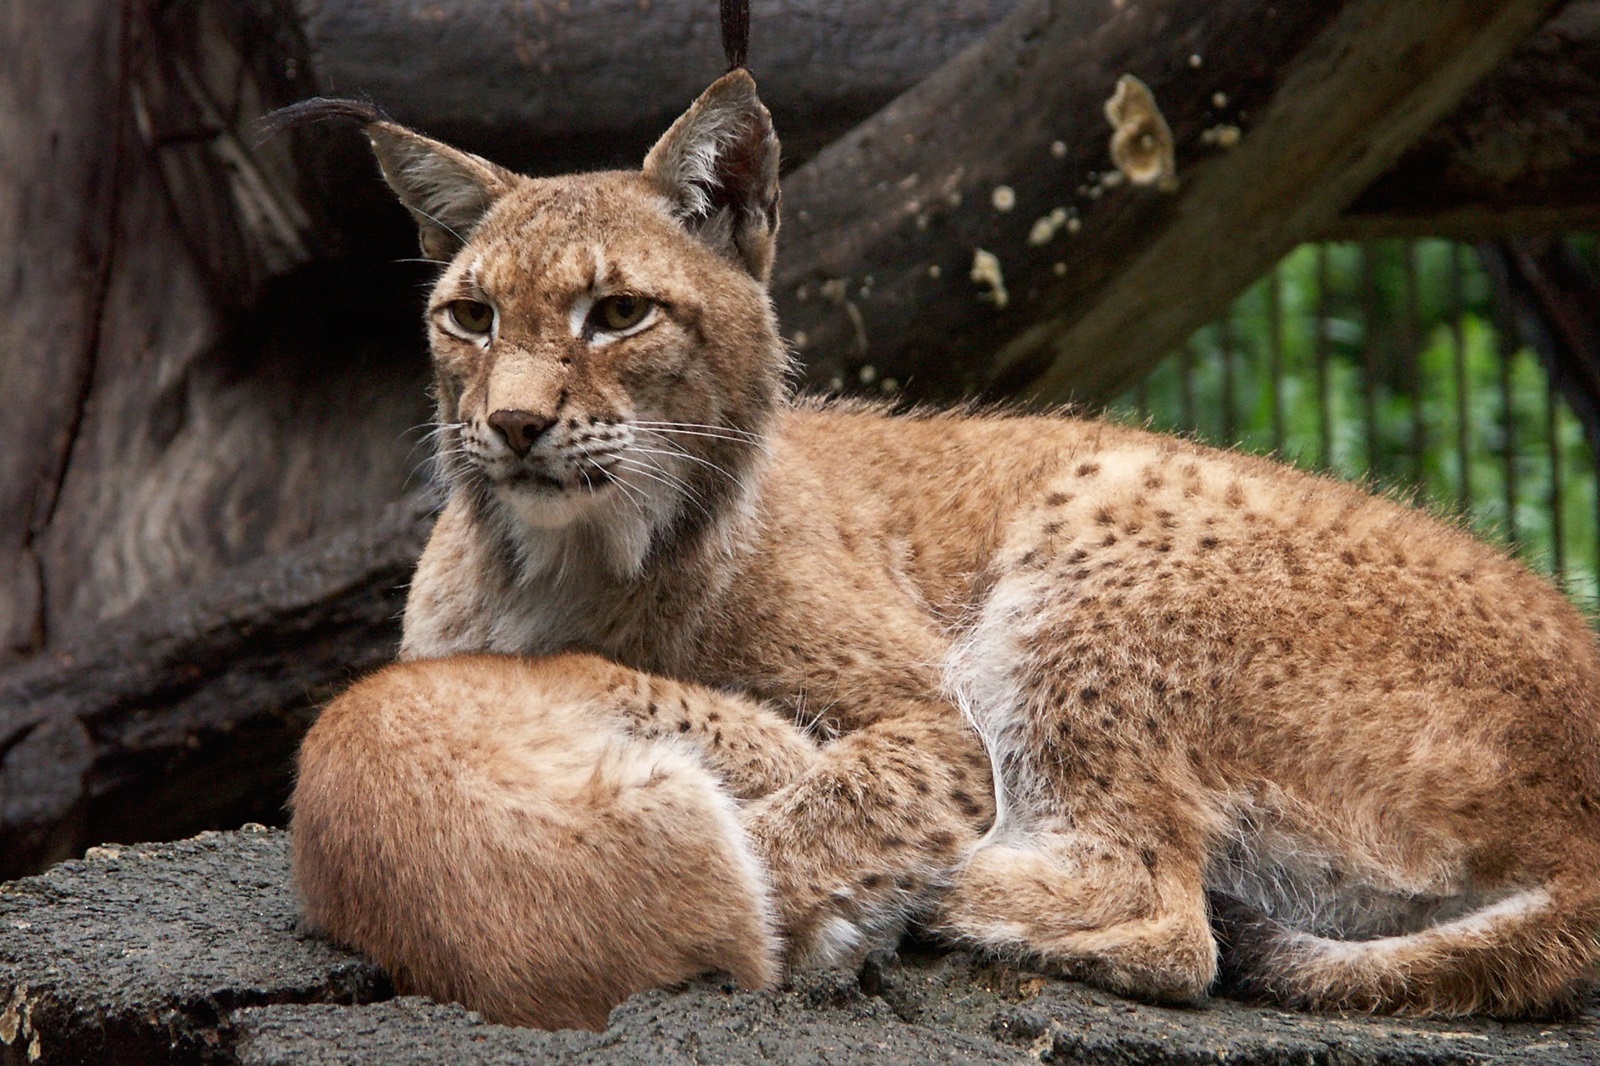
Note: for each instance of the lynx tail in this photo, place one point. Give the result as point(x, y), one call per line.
point(1525, 955)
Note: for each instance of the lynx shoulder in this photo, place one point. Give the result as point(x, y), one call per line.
point(1144, 711)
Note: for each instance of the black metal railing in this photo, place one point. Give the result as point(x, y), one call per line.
point(1401, 363)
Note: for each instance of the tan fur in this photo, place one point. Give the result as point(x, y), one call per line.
point(1208, 682)
point(462, 821)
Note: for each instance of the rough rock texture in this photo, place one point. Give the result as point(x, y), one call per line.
point(188, 952)
point(135, 954)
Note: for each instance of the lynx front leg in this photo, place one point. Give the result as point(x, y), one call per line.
point(870, 833)
point(747, 744)
point(1111, 911)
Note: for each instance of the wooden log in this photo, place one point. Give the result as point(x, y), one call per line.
point(1519, 155)
point(547, 88)
point(185, 714)
point(178, 406)
point(940, 213)
point(60, 122)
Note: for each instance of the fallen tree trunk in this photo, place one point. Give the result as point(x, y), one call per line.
point(946, 200)
point(547, 90)
point(186, 714)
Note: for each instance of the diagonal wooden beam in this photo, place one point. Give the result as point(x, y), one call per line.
point(1279, 114)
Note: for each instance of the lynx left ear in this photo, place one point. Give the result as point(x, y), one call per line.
point(718, 165)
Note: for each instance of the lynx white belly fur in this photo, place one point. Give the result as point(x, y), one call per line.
point(1225, 703)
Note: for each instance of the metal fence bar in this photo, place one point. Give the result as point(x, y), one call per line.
point(1186, 385)
point(1558, 538)
point(1320, 356)
point(1458, 345)
point(1507, 346)
point(1369, 358)
point(1410, 355)
point(1275, 357)
point(1225, 345)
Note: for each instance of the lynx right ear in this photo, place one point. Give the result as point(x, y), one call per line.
point(446, 190)
point(718, 165)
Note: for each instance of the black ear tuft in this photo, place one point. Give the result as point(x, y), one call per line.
point(735, 32)
point(319, 109)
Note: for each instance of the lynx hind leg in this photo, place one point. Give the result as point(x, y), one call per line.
point(481, 831)
point(1099, 908)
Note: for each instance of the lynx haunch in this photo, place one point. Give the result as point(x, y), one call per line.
point(1139, 710)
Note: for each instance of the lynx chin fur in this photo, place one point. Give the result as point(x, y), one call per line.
point(1238, 717)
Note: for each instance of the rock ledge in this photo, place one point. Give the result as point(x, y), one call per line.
point(189, 952)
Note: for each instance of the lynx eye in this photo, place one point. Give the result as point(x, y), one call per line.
point(617, 313)
point(472, 315)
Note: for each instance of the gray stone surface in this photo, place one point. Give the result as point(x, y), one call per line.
point(135, 953)
point(188, 952)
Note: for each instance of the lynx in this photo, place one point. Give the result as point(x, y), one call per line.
point(1138, 710)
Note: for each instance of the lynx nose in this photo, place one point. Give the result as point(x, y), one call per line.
point(520, 428)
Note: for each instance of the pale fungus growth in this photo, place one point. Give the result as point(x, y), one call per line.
point(1045, 228)
point(986, 271)
point(1004, 198)
point(1141, 140)
point(1224, 136)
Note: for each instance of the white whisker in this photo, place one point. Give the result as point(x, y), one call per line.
point(680, 454)
point(688, 430)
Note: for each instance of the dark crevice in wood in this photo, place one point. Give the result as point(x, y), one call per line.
point(1556, 300)
point(88, 364)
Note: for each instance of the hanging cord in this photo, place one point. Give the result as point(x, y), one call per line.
point(735, 32)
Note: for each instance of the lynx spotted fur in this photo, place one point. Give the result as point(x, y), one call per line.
point(1131, 707)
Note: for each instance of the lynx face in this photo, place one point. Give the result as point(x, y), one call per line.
point(578, 380)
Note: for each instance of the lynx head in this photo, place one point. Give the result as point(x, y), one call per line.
point(605, 353)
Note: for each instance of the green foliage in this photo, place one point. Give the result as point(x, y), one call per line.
point(1384, 362)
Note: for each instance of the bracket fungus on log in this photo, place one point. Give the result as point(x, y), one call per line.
point(1141, 140)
